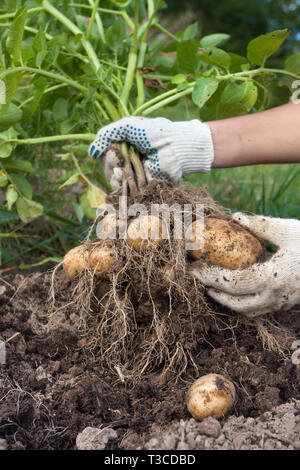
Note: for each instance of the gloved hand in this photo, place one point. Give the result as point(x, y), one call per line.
point(267, 287)
point(171, 149)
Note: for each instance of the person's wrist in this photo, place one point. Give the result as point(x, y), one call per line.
point(194, 147)
point(226, 142)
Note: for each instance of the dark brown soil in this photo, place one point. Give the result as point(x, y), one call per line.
point(52, 387)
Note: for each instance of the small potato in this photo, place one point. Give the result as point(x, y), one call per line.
point(100, 260)
point(75, 261)
point(145, 231)
point(211, 395)
point(225, 245)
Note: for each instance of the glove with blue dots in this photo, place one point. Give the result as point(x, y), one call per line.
point(170, 149)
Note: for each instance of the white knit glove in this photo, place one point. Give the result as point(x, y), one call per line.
point(171, 149)
point(267, 287)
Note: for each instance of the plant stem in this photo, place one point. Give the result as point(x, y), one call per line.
point(140, 99)
point(142, 51)
point(132, 60)
point(35, 31)
point(156, 99)
point(167, 101)
point(85, 178)
point(45, 73)
point(92, 19)
point(138, 169)
point(166, 32)
point(127, 171)
point(53, 138)
point(126, 18)
point(31, 10)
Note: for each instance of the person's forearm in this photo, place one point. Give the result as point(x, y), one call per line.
point(271, 136)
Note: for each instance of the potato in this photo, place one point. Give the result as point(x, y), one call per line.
point(225, 245)
point(211, 395)
point(75, 261)
point(145, 231)
point(109, 227)
point(100, 260)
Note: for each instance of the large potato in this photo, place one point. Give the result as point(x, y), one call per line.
point(145, 231)
point(225, 244)
point(75, 261)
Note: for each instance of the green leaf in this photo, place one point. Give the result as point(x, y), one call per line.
point(5, 149)
point(22, 185)
point(39, 86)
point(28, 209)
point(182, 86)
point(89, 212)
point(39, 43)
point(203, 90)
point(95, 197)
point(214, 56)
point(78, 211)
point(179, 78)
point(186, 55)
point(115, 33)
point(3, 180)
point(163, 61)
point(60, 110)
point(238, 63)
point(84, 168)
point(67, 126)
point(72, 180)
point(12, 82)
point(156, 46)
point(237, 99)
point(292, 64)
point(11, 197)
point(19, 165)
point(12, 115)
point(214, 39)
point(15, 35)
point(40, 58)
point(262, 47)
point(190, 32)
point(11, 5)
point(79, 150)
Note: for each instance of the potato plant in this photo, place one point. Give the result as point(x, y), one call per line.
point(68, 68)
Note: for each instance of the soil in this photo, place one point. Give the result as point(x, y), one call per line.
point(55, 393)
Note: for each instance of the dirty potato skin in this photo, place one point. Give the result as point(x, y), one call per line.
point(225, 244)
point(100, 260)
point(211, 395)
point(75, 261)
point(145, 231)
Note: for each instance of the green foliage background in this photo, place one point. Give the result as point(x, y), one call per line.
point(243, 20)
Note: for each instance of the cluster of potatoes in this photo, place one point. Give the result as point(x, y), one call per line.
point(218, 242)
